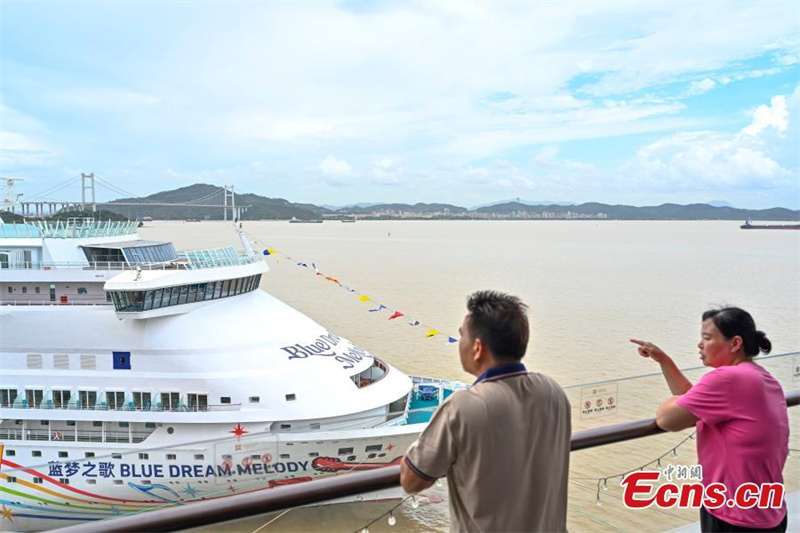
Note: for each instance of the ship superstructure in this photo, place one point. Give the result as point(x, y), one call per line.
point(132, 375)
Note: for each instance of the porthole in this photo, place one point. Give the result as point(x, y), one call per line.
point(170, 430)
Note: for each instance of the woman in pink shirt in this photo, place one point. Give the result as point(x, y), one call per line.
point(740, 413)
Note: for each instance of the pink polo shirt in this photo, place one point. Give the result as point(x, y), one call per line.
point(742, 435)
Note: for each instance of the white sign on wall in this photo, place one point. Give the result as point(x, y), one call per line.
point(599, 401)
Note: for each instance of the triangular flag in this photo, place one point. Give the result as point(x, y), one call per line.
point(333, 280)
point(365, 298)
point(431, 333)
point(272, 250)
point(450, 340)
point(266, 252)
point(302, 265)
point(395, 315)
point(414, 323)
point(315, 267)
point(377, 308)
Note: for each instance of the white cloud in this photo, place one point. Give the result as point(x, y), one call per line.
point(700, 87)
point(706, 159)
point(331, 166)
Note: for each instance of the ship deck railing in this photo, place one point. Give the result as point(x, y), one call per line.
point(259, 502)
point(126, 407)
point(181, 263)
point(71, 435)
point(72, 229)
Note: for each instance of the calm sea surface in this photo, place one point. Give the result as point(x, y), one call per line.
point(590, 287)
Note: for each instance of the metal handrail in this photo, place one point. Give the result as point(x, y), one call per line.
point(254, 503)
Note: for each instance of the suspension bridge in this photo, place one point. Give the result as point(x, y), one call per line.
point(42, 204)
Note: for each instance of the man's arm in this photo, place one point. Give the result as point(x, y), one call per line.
point(411, 480)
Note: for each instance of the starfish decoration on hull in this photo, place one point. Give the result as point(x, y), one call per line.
point(238, 431)
point(190, 491)
point(390, 447)
point(7, 514)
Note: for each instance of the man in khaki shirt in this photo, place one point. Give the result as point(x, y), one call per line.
point(504, 443)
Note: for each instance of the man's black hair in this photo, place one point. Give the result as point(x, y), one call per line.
point(501, 322)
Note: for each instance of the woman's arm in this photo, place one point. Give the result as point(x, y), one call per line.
point(677, 382)
point(673, 417)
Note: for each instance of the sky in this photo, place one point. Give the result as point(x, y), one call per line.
point(638, 103)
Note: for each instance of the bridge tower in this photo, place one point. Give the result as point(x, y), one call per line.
point(229, 191)
point(87, 178)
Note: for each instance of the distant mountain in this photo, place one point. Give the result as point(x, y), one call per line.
point(719, 203)
point(260, 208)
point(339, 207)
point(419, 209)
point(659, 212)
point(523, 202)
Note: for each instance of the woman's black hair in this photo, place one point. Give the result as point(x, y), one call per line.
point(732, 321)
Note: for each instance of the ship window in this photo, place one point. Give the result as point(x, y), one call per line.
point(345, 451)
point(10, 453)
point(37, 480)
point(63, 454)
point(33, 397)
point(146, 482)
point(97, 423)
point(8, 397)
point(124, 424)
point(89, 455)
point(374, 448)
point(141, 401)
point(171, 457)
point(226, 285)
point(286, 426)
point(290, 397)
point(83, 290)
point(192, 294)
point(170, 401)
point(372, 456)
point(183, 295)
point(115, 399)
point(36, 453)
point(37, 290)
point(116, 456)
point(144, 456)
point(201, 292)
point(351, 458)
point(71, 423)
point(63, 480)
point(313, 454)
point(198, 402)
point(91, 482)
point(150, 425)
point(225, 399)
point(61, 399)
point(314, 425)
point(116, 482)
point(87, 398)
point(44, 422)
point(11, 479)
point(24, 290)
point(255, 399)
point(285, 456)
point(199, 457)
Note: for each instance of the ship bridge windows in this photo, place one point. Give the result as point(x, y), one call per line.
point(61, 398)
point(141, 401)
point(138, 301)
point(8, 397)
point(374, 373)
point(170, 401)
point(197, 402)
point(133, 253)
point(86, 399)
point(33, 397)
point(115, 399)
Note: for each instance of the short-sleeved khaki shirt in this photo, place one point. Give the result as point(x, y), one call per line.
point(504, 446)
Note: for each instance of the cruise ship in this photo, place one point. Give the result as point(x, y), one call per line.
point(133, 376)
